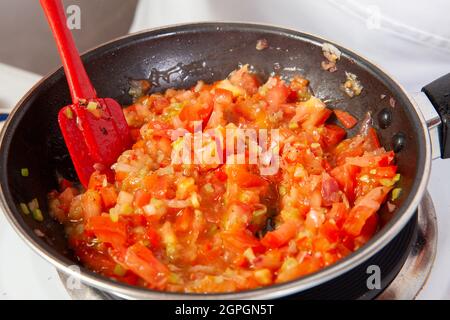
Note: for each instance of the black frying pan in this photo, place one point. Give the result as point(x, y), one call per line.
point(178, 56)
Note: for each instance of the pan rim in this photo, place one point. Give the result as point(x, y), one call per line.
point(274, 291)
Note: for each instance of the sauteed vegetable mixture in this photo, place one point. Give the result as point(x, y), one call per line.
point(224, 227)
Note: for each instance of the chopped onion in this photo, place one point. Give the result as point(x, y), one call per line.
point(179, 204)
point(165, 171)
point(124, 198)
point(122, 167)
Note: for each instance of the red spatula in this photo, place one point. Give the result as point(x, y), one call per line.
point(94, 129)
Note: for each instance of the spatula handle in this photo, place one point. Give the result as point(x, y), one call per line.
point(79, 84)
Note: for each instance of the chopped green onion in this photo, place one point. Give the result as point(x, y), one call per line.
point(396, 193)
point(113, 215)
point(282, 190)
point(194, 200)
point(24, 172)
point(387, 182)
point(37, 215)
point(92, 106)
point(127, 209)
point(390, 182)
point(209, 188)
point(175, 278)
point(119, 270)
point(293, 125)
point(24, 208)
point(68, 112)
point(249, 254)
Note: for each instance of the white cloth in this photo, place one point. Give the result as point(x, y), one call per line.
point(409, 39)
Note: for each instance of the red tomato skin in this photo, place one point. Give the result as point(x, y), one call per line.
point(277, 95)
point(109, 196)
point(142, 262)
point(141, 198)
point(281, 236)
point(347, 120)
point(332, 135)
point(364, 208)
point(114, 233)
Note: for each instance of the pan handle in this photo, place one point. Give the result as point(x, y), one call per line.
point(438, 92)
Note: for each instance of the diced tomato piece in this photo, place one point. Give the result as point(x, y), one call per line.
point(154, 238)
point(345, 118)
point(91, 203)
point(97, 180)
point(364, 207)
point(223, 96)
point(239, 241)
point(278, 94)
point(372, 142)
point(281, 236)
point(159, 103)
point(159, 186)
point(330, 189)
point(245, 179)
point(332, 135)
point(109, 196)
point(142, 262)
point(247, 81)
point(338, 213)
point(309, 265)
point(66, 197)
point(107, 230)
point(386, 172)
point(184, 220)
point(345, 175)
point(220, 174)
point(95, 260)
point(141, 198)
point(317, 118)
point(368, 160)
point(199, 111)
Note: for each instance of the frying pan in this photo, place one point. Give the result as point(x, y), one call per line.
point(178, 56)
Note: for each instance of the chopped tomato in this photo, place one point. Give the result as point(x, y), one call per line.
point(109, 196)
point(281, 236)
point(332, 135)
point(278, 94)
point(364, 208)
point(372, 142)
point(141, 261)
point(200, 111)
point(141, 198)
point(385, 172)
point(159, 186)
point(345, 118)
point(345, 175)
point(114, 233)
